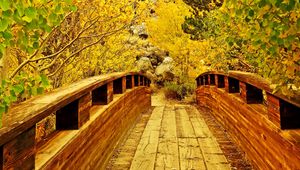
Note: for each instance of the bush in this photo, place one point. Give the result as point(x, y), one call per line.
point(175, 90)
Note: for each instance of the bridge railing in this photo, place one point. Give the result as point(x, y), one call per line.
point(71, 105)
point(265, 125)
point(253, 89)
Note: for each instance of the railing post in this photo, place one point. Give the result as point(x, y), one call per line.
point(141, 80)
point(250, 94)
point(110, 92)
point(273, 109)
point(231, 85)
point(103, 94)
point(132, 81)
point(206, 79)
point(220, 81)
point(283, 114)
point(19, 153)
point(75, 114)
point(136, 80)
point(129, 82)
point(85, 104)
point(119, 85)
point(124, 84)
point(212, 79)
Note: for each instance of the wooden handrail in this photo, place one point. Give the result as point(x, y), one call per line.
point(254, 80)
point(30, 112)
point(265, 125)
point(19, 123)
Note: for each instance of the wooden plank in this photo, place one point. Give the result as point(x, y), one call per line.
point(98, 136)
point(125, 153)
point(190, 154)
point(184, 126)
point(19, 153)
point(167, 156)
point(146, 152)
point(28, 113)
point(252, 130)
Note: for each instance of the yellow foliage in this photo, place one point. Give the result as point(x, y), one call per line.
point(165, 32)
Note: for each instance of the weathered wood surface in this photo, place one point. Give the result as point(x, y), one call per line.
point(172, 140)
point(28, 113)
point(265, 144)
point(91, 146)
point(72, 105)
point(124, 153)
point(254, 80)
point(146, 151)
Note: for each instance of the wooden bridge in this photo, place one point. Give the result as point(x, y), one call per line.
point(93, 118)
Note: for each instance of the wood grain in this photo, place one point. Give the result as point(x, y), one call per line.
point(146, 151)
point(167, 156)
point(27, 114)
point(91, 146)
point(265, 144)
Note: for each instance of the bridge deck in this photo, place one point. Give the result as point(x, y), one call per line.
point(172, 136)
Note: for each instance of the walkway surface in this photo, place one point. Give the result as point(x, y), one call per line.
point(170, 136)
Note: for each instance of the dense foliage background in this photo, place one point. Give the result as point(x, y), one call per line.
point(46, 44)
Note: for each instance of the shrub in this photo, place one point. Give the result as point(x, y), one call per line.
point(176, 90)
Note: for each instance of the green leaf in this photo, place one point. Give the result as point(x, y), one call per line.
point(44, 80)
point(279, 41)
point(40, 90)
point(3, 24)
point(5, 4)
point(18, 89)
point(251, 13)
point(298, 23)
point(291, 5)
point(2, 110)
point(20, 9)
point(53, 18)
point(35, 45)
point(7, 35)
point(27, 19)
point(13, 98)
point(3, 83)
point(30, 12)
point(34, 91)
point(7, 13)
point(73, 8)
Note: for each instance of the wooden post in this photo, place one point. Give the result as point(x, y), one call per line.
point(145, 81)
point(103, 94)
point(212, 80)
point(74, 114)
point(129, 82)
point(201, 80)
point(85, 104)
point(206, 79)
point(67, 117)
point(273, 109)
point(132, 81)
point(220, 81)
point(110, 92)
point(136, 80)
point(283, 114)
point(139, 80)
point(119, 85)
point(232, 85)
point(19, 153)
point(226, 85)
point(250, 94)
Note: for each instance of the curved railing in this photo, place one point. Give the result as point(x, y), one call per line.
point(72, 106)
point(265, 125)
